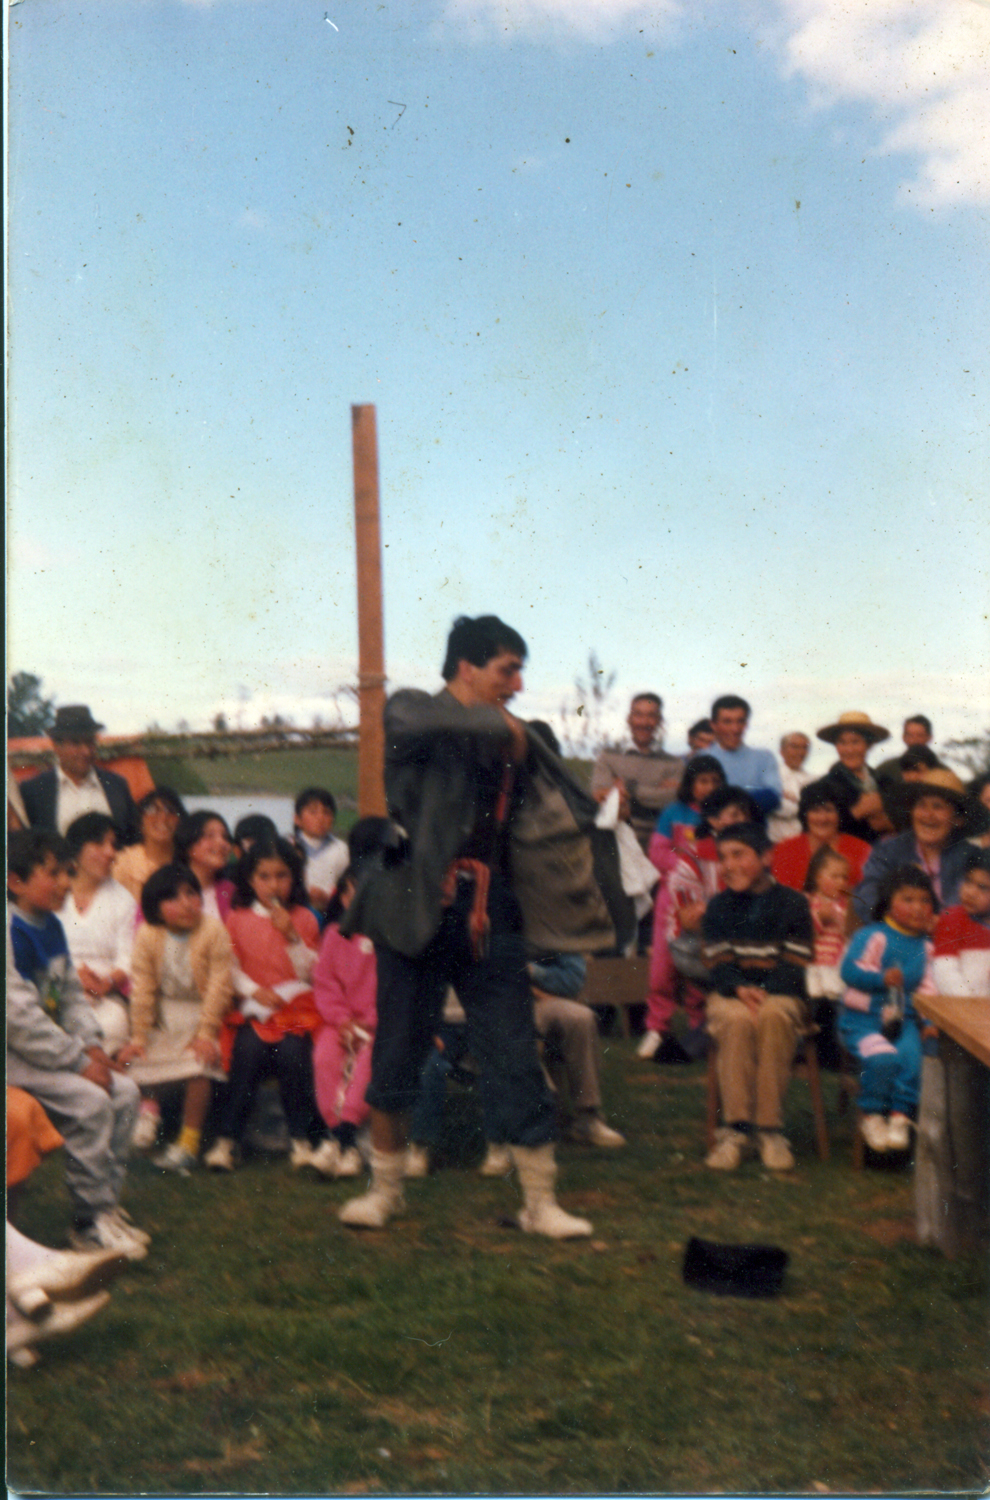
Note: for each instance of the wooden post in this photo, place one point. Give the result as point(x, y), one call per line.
point(371, 651)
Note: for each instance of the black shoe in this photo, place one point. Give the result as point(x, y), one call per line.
point(670, 1052)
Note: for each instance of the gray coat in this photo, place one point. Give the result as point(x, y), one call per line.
point(439, 755)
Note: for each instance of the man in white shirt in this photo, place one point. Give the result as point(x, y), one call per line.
point(785, 823)
point(75, 784)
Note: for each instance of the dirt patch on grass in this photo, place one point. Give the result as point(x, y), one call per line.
point(891, 1231)
point(402, 1414)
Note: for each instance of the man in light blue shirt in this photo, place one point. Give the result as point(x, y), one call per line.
point(756, 771)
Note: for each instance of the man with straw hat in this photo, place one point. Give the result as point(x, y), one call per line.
point(852, 784)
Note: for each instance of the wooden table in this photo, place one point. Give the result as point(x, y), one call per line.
point(952, 1164)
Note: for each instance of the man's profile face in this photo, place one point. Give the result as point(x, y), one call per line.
point(496, 683)
point(76, 757)
point(915, 734)
point(729, 725)
point(644, 722)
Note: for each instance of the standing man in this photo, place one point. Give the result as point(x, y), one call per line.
point(647, 777)
point(482, 807)
point(754, 770)
point(75, 784)
point(917, 733)
point(785, 823)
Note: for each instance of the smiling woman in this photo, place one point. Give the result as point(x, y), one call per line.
point(935, 843)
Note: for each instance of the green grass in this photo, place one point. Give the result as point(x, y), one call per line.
point(261, 1347)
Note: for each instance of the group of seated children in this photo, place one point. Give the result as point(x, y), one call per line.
point(216, 975)
point(745, 952)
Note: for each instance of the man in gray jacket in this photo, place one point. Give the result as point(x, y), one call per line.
point(495, 852)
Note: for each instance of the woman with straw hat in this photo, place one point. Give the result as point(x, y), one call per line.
point(941, 817)
point(850, 780)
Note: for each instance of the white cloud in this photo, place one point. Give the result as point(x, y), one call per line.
point(921, 66)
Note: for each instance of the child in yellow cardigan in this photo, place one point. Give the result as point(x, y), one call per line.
point(181, 989)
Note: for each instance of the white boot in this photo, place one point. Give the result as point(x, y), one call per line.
point(497, 1162)
point(541, 1213)
point(384, 1197)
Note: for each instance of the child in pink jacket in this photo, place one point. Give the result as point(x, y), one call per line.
point(345, 983)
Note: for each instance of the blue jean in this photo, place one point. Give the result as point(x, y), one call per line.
point(890, 1072)
point(494, 991)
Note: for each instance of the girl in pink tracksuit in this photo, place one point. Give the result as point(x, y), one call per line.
point(345, 983)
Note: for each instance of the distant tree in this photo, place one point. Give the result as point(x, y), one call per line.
point(28, 713)
point(973, 753)
point(220, 723)
point(584, 724)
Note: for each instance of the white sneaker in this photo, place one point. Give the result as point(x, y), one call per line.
point(497, 1162)
point(383, 1199)
point(63, 1318)
point(145, 1132)
point(417, 1163)
point(107, 1232)
point(775, 1151)
point(589, 1129)
point(730, 1147)
point(324, 1158)
point(649, 1045)
point(220, 1157)
point(898, 1133)
point(351, 1163)
point(175, 1158)
point(301, 1154)
point(874, 1129)
point(124, 1219)
point(63, 1276)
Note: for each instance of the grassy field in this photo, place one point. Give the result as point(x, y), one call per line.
point(261, 1347)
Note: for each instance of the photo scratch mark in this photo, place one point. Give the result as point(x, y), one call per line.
point(414, 1340)
point(400, 107)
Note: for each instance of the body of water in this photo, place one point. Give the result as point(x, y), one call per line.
point(280, 809)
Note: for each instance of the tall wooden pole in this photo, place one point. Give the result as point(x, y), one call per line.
point(371, 649)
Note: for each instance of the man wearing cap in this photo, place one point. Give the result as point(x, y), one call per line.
point(75, 784)
point(852, 784)
point(936, 841)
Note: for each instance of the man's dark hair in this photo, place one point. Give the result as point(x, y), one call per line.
point(477, 641)
point(753, 835)
point(921, 719)
point(653, 698)
point(702, 726)
point(28, 848)
point(731, 701)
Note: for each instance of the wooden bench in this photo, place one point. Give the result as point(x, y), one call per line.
point(952, 1160)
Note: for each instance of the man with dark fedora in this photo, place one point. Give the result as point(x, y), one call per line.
point(76, 784)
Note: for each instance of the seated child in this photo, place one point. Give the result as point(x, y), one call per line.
point(758, 938)
point(571, 1053)
point(183, 988)
point(961, 962)
point(676, 824)
point(55, 1048)
point(275, 937)
point(691, 880)
point(886, 964)
point(326, 856)
point(99, 917)
point(827, 886)
point(345, 985)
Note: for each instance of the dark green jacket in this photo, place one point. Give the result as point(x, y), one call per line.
point(439, 756)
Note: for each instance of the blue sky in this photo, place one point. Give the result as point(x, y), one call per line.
point(676, 324)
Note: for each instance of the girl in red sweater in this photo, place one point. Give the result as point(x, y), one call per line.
point(275, 936)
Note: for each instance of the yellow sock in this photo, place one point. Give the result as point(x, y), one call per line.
point(189, 1139)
